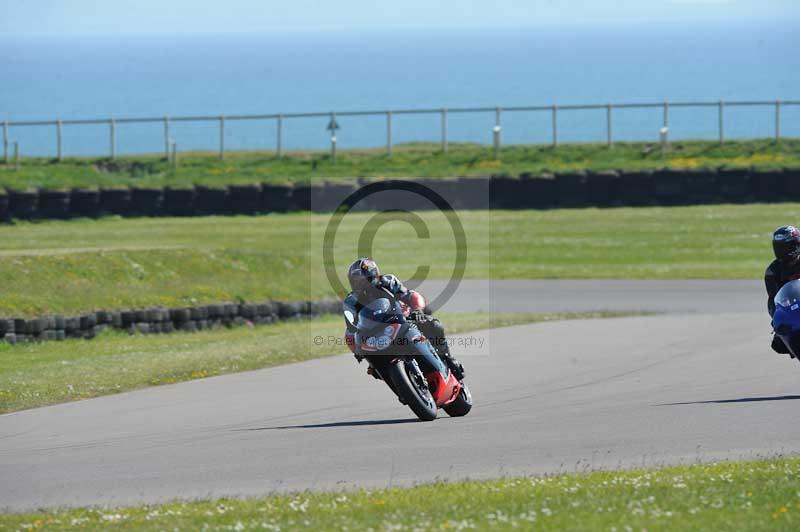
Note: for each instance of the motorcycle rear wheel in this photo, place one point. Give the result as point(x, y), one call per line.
point(462, 405)
point(416, 395)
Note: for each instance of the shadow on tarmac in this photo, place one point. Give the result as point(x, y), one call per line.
point(740, 400)
point(370, 422)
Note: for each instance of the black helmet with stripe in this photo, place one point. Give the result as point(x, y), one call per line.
point(786, 244)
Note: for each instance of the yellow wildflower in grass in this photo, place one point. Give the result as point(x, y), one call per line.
point(488, 164)
point(686, 162)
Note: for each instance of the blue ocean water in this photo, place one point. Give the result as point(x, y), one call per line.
point(102, 77)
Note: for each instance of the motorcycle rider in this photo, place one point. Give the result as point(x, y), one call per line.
point(785, 268)
point(366, 283)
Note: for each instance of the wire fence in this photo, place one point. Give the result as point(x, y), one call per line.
point(281, 123)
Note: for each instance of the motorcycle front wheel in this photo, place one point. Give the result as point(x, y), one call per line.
point(411, 386)
point(462, 404)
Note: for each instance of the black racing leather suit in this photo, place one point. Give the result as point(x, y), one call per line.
point(777, 275)
point(429, 326)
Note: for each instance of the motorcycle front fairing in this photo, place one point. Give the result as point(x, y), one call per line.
point(383, 330)
point(379, 324)
point(786, 319)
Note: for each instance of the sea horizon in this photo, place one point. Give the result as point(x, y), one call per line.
point(288, 71)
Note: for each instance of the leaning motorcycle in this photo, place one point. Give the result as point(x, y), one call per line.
point(786, 319)
point(405, 360)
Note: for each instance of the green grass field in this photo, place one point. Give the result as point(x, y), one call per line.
point(412, 160)
point(72, 266)
point(760, 495)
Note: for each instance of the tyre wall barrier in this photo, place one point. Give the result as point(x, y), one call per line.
point(24, 204)
point(572, 189)
point(301, 197)
point(770, 185)
point(115, 201)
point(792, 192)
point(160, 320)
point(474, 192)
point(244, 199)
point(54, 203)
point(180, 201)
point(147, 201)
point(528, 191)
point(277, 198)
point(635, 189)
point(84, 202)
point(327, 197)
point(5, 211)
point(701, 186)
point(669, 187)
point(209, 200)
point(604, 188)
point(506, 193)
point(536, 191)
point(734, 185)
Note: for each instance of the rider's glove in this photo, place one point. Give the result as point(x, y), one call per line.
point(417, 316)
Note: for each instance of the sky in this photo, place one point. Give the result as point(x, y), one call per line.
point(20, 18)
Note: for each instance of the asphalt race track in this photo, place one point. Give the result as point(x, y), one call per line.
point(581, 295)
point(697, 384)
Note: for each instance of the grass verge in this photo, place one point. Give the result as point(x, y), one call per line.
point(408, 160)
point(81, 265)
point(758, 495)
point(33, 375)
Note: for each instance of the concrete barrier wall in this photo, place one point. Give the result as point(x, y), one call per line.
point(570, 189)
point(160, 320)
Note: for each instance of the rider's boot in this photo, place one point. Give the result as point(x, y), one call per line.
point(779, 346)
point(455, 366)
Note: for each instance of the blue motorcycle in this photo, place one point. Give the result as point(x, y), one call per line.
point(786, 319)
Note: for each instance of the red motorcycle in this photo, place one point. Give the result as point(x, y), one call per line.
point(405, 360)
